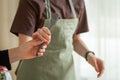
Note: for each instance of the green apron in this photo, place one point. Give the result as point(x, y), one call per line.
point(57, 61)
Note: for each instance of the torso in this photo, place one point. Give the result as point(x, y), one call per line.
point(61, 7)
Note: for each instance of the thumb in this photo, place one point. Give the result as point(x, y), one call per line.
point(96, 67)
point(35, 35)
point(36, 42)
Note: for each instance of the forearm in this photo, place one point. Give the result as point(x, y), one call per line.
point(14, 54)
point(24, 38)
point(81, 49)
point(79, 46)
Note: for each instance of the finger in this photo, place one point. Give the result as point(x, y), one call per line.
point(96, 67)
point(40, 54)
point(46, 30)
point(42, 50)
point(99, 75)
point(43, 38)
point(35, 43)
point(43, 34)
point(47, 42)
point(45, 46)
point(101, 70)
point(35, 35)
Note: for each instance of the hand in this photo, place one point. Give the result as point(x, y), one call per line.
point(43, 34)
point(96, 63)
point(29, 49)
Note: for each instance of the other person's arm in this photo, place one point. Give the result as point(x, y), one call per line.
point(81, 49)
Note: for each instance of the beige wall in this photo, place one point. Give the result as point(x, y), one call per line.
point(7, 40)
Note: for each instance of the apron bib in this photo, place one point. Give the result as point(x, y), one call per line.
point(57, 61)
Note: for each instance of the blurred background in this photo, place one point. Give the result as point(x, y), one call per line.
point(103, 37)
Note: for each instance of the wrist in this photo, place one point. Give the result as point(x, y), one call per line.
point(19, 53)
point(89, 53)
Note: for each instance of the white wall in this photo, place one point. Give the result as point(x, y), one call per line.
point(103, 39)
point(7, 13)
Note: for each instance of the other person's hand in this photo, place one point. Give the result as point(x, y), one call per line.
point(97, 64)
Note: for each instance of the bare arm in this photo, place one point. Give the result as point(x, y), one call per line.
point(79, 46)
point(24, 38)
point(81, 49)
point(29, 45)
point(24, 51)
point(14, 54)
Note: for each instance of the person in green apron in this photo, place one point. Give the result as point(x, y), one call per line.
point(57, 61)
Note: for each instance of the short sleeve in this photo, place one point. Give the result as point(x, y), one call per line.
point(25, 18)
point(82, 23)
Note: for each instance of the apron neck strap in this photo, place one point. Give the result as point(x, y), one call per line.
point(72, 8)
point(48, 9)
